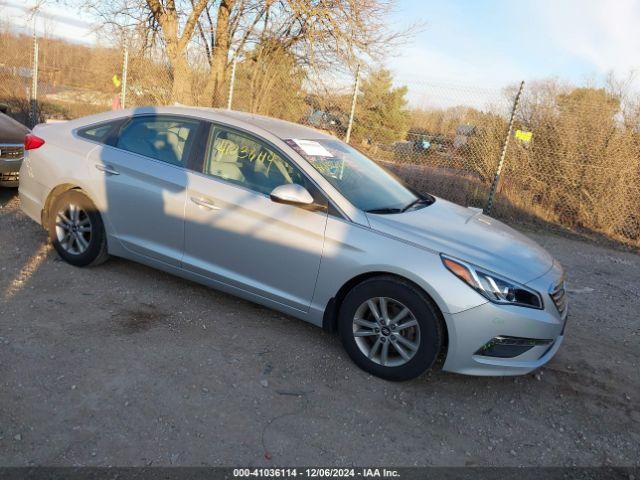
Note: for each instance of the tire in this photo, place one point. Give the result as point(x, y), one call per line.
point(91, 248)
point(424, 339)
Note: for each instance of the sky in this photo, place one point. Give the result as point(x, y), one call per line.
point(492, 43)
point(468, 50)
point(55, 20)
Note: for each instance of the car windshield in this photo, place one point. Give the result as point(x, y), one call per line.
point(359, 179)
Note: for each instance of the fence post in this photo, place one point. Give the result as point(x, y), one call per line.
point(347, 137)
point(125, 69)
point(503, 155)
point(34, 81)
point(231, 84)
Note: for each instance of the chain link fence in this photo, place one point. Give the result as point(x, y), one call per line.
point(454, 141)
point(16, 74)
point(579, 164)
point(572, 158)
point(74, 80)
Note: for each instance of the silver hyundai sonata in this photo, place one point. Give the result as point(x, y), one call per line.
point(296, 220)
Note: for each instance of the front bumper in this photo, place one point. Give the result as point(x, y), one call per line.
point(471, 329)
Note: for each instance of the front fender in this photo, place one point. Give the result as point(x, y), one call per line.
point(351, 250)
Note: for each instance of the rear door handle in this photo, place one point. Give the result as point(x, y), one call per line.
point(204, 203)
point(106, 169)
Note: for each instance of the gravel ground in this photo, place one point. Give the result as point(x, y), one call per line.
point(124, 365)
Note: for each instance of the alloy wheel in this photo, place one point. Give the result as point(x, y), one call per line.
point(386, 331)
point(73, 229)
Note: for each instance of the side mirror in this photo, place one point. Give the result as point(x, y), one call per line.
point(291, 194)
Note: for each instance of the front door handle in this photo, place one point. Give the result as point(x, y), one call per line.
point(106, 169)
point(204, 203)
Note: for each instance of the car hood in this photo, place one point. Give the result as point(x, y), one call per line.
point(469, 235)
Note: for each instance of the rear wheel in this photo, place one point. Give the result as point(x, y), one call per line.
point(390, 328)
point(76, 230)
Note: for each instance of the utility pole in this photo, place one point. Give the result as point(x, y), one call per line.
point(347, 137)
point(125, 69)
point(34, 76)
point(231, 83)
point(503, 155)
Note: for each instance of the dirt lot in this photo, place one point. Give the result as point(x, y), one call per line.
point(124, 365)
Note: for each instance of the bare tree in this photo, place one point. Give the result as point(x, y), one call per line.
point(167, 17)
point(320, 34)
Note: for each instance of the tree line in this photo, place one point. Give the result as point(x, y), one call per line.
point(296, 60)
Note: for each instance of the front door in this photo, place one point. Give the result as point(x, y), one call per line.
point(235, 234)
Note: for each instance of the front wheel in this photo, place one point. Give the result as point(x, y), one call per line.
point(76, 230)
point(390, 328)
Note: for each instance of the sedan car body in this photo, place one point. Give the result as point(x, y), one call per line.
point(294, 219)
point(11, 150)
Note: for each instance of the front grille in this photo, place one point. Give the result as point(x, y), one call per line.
point(559, 297)
point(11, 152)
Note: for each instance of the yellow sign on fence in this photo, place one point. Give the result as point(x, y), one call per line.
point(524, 136)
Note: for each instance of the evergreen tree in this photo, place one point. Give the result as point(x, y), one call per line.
point(381, 114)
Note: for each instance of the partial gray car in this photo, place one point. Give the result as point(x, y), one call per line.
point(295, 219)
point(12, 135)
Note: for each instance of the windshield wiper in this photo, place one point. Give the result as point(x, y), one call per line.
point(384, 210)
point(417, 201)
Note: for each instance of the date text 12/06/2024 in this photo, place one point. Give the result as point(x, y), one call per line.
point(315, 472)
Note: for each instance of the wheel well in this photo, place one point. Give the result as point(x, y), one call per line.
point(55, 193)
point(330, 318)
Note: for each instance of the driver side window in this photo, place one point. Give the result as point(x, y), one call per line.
point(244, 160)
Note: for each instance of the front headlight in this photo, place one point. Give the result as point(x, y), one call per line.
point(495, 288)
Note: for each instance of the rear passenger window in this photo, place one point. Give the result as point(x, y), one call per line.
point(167, 139)
point(98, 133)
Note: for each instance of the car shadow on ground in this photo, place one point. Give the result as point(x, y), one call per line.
point(7, 195)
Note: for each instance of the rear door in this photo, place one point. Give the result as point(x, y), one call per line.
point(236, 235)
point(141, 180)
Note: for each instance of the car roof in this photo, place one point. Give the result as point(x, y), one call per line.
point(279, 128)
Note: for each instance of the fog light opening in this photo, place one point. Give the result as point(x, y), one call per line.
point(509, 347)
